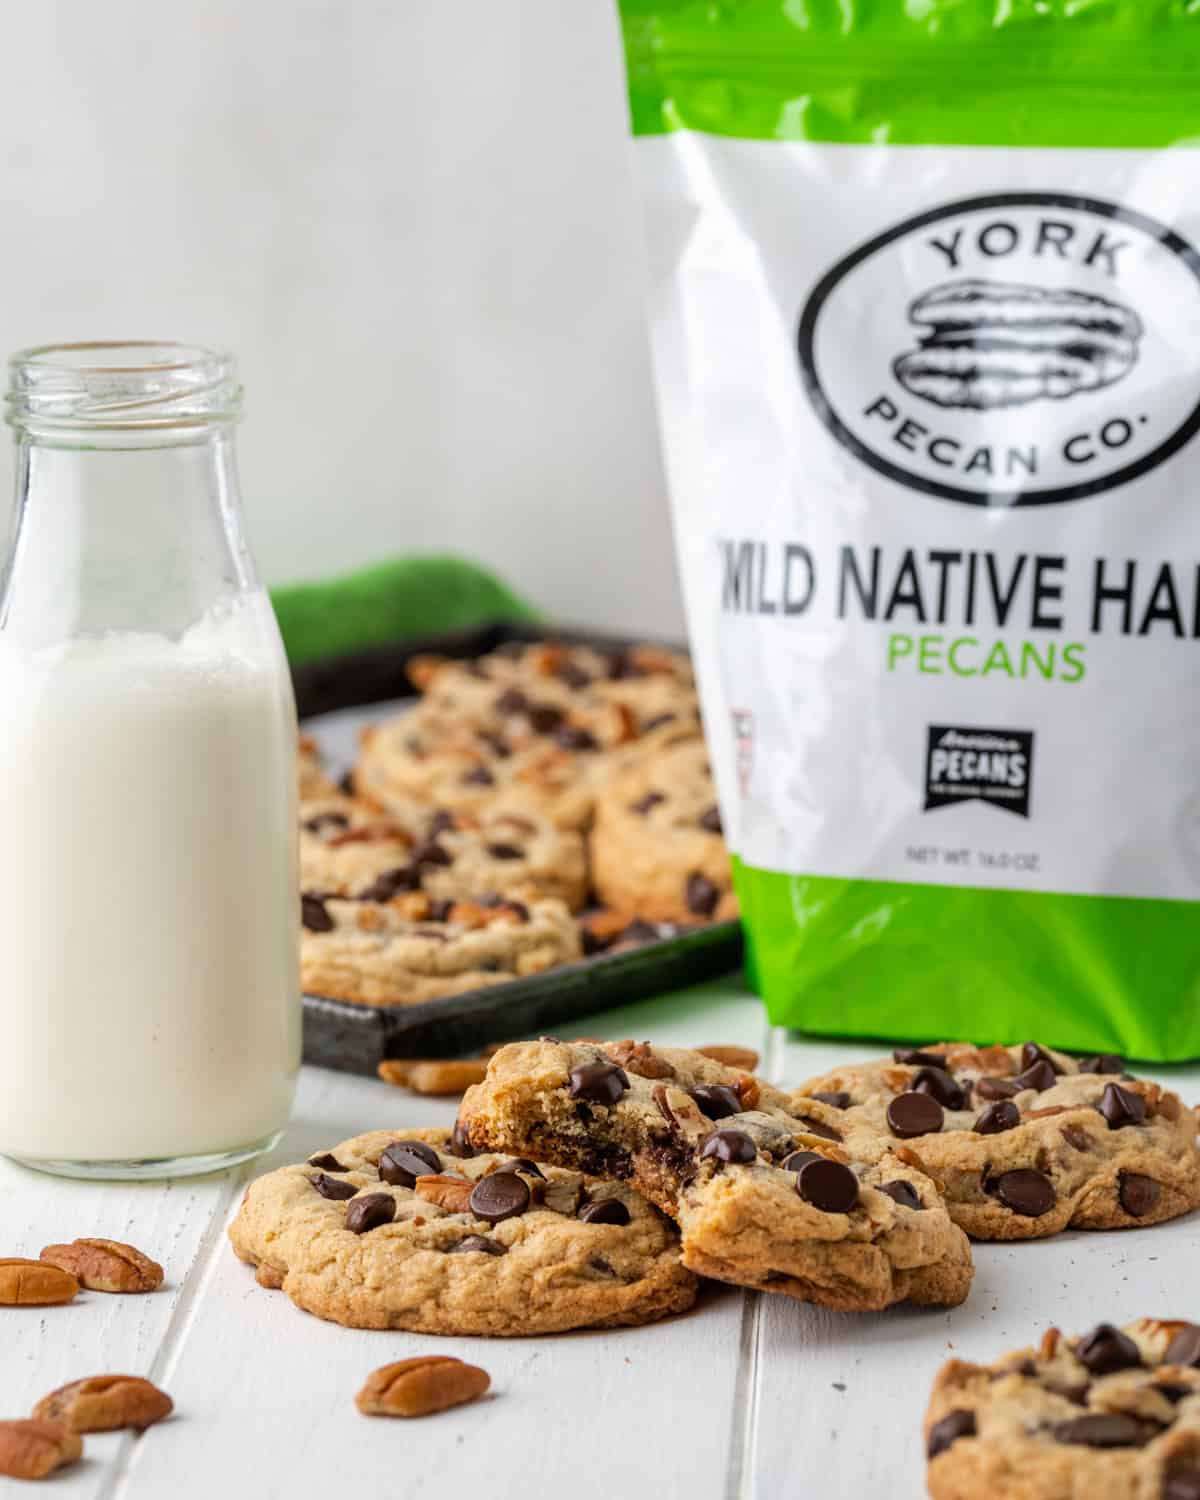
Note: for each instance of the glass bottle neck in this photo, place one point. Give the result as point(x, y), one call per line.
point(141, 538)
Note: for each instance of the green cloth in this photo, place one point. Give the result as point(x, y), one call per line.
point(390, 601)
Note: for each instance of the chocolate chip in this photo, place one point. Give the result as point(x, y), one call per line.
point(1101, 1430)
point(477, 1242)
point(1172, 1392)
point(505, 851)
point(592, 942)
point(574, 676)
point(496, 743)
point(330, 1187)
point(710, 820)
point(573, 737)
point(328, 1162)
point(1031, 1053)
point(996, 1118)
point(835, 1099)
point(430, 852)
point(511, 701)
point(717, 1101)
point(701, 894)
point(478, 776)
point(314, 915)
point(441, 822)
point(643, 805)
point(522, 1164)
point(640, 932)
point(460, 1141)
point(996, 1088)
point(346, 784)
point(477, 669)
point(439, 911)
point(1040, 1076)
point(500, 1195)
point(369, 1211)
point(733, 1146)
point(327, 820)
point(799, 1159)
point(1182, 1485)
point(809, 1126)
point(1101, 1062)
point(1026, 1192)
point(403, 1162)
point(598, 1082)
point(544, 718)
point(917, 1059)
point(1184, 1348)
point(827, 1185)
point(954, 1425)
point(604, 1211)
point(1138, 1194)
point(1121, 1107)
point(902, 1192)
point(939, 1085)
point(390, 883)
point(622, 665)
point(1106, 1349)
point(910, 1115)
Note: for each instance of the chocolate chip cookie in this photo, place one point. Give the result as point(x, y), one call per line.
point(1113, 1415)
point(657, 848)
point(1026, 1141)
point(407, 1229)
point(654, 684)
point(415, 947)
point(347, 848)
point(764, 1193)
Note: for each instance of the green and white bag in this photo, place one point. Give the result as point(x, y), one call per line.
point(925, 287)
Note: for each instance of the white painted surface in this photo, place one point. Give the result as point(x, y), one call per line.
point(748, 1397)
point(415, 225)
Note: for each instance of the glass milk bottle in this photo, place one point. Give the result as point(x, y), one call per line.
point(149, 987)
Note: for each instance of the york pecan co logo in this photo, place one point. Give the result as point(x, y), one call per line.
point(1013, 349)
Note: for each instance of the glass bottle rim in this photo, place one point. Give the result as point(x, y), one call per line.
point(121, 386)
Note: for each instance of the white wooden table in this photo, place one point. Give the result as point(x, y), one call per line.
point(747, 1396)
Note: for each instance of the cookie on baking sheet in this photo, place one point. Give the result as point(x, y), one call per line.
point(443, 760)
point(657, 848)
point(764, 1194)
point(655, 683)
point(1112, 1415)
point(415, 948)
point(310, 771)
point(1026, 1141)
point(348, 848)
point(404, 1229)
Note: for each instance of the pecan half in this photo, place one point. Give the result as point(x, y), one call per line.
point(106, 1265)
point(446, 1190)
point(103, 1403)
point(640, 1058)
point(1044, 1114)
point(417, 1387)
point(732, 1057)
point(747, 1090)
point(1048, 1348)
point(33, 1283)
point(32, 1448)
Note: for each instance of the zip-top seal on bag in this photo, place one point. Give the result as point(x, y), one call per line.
point(925, 306)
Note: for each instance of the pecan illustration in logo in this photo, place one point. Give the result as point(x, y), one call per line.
point(986, 345)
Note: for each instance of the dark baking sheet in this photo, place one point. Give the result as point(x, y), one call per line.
point(355, 1038)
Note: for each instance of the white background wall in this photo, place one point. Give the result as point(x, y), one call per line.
point(413, 221)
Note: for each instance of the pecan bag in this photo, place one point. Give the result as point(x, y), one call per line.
point(925, 295)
